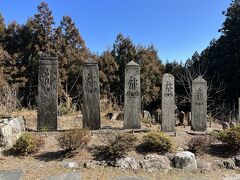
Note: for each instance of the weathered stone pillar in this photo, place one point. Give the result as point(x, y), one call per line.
point(47, 94)
point(168, 103)
point(199, 104)
point(91, 95)
point(132, 97)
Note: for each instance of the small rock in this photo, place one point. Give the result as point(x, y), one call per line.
point(232, 125)
point(185, 160)
point(237, 160)
point(66, 176)
point(127, 163)
point(92, 164)
point(70, 165)
point(181, 117)
point(10, 130)
point(180, 149)
point(153, 162)
point(147, 115)
point(40, 166)
point(6, 136)
point(225, 126)
point(228, 164)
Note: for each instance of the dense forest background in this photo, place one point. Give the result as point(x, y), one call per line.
point(21, 46)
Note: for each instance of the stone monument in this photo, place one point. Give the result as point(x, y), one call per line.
point(47, 94)
point(132, 97)
point(91, 95)
point(168, 103)
point(199, 105)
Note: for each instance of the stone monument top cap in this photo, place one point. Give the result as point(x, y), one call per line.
point(168, 75)
point(199, 79)
point(90, 61)
point(132, 63)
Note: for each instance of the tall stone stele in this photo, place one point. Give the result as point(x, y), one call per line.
point(132, 97)
point(199, 104)
point(47, 94)
point(168, 103)
point(91, 95)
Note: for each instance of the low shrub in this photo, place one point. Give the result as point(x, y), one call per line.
point(156, 141)
point(199, 144)
point(73, 139)
point(27, 144)
point(116, 146)
point(231, 137)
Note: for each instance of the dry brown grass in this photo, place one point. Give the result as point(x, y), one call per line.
point(38, 168)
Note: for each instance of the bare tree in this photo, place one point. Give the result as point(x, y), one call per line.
point(215, 86)
point(8, 98)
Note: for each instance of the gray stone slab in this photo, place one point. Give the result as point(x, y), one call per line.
point(91, 95)
point(11, 175)
point(132, 97)
point(66, 176)
point(199, 105)
point(231, 178)
point(168, 103)
point(47, 94)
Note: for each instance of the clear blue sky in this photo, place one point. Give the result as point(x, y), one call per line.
point(176, 28)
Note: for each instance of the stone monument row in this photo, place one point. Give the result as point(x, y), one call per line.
point(48, 98)
point(91, 95)
point(199, 104)
point(168, 103)
point(47, 94)
point(132, 97)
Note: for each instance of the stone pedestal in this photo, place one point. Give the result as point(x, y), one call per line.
point(132, 97)
point(168, 103)
point(47, 94)
point(199, 105)
point(91, 96)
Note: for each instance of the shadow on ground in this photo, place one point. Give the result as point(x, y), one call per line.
point(55, 155)
point(221, 150)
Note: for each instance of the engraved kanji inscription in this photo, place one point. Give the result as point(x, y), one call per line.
point(91, 84)
point(46, 80)
point(199, 97)
point(132, 86)
point(168, 89)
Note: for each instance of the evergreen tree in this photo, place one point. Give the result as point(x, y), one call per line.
point(108, 72)
point(71, 51)
point(151, 76)
point(123, 51)
point(222, 56)
point(43, 32)
point(2, 29)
